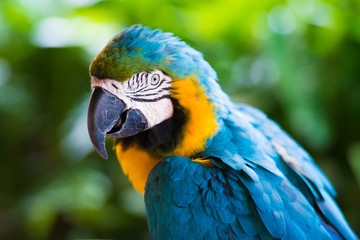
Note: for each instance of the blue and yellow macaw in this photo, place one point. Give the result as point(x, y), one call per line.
point(210, 168)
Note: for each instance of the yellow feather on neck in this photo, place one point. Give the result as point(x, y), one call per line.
point(200, 126)
point(136, 163)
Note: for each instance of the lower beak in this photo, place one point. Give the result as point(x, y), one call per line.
point(109, 115)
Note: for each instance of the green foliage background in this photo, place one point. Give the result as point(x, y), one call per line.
point(297, 60)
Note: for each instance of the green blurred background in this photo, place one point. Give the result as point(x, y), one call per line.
point(297, 60)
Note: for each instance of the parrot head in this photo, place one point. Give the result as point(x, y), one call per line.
point(152, 91)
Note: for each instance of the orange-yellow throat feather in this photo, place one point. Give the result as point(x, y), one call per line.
point(137, 164)
point(200, 126)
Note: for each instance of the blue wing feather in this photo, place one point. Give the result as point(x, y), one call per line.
point(264, 186)
point(209, 212)
point(304, 166)
point(275, 134)
point(237, 212)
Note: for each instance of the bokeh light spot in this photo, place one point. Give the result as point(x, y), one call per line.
point(281, 20)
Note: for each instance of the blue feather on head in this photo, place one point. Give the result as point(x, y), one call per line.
point(138, 48)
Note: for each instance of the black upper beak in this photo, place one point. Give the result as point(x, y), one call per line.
point(108, 115)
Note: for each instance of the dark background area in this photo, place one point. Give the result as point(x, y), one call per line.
point(297, 60)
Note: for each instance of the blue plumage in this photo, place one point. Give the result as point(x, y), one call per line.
point(139, 48)
point(255, 195)
point(264, 185)
point(260, 184)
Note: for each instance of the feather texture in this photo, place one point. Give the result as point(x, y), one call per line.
point(256, 181)
point(251, 193)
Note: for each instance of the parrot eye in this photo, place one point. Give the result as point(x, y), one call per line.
point(155, 79)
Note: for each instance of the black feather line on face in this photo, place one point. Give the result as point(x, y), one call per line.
point(163, 138)
point(151, 94)
point(145, 88)
point(150, 100)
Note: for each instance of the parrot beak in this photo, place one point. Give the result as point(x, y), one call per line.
point(109, 116)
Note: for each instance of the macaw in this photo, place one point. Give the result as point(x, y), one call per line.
point(209, 168)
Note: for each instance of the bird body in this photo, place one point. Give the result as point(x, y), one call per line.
point(210, 168)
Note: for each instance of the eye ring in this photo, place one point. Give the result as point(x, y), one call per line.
point(155, 79)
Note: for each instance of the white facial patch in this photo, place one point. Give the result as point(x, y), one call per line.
point(148, 92)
